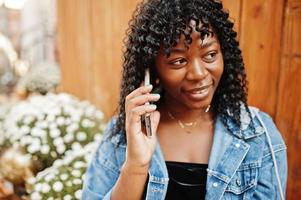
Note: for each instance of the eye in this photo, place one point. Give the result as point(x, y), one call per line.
point(178, 62)
point(211, 56)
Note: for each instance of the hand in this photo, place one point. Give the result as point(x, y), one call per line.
point(140, 147)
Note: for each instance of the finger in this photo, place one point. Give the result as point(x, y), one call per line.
point(155, 119)
point(137, 112)
point(139, 91)
point(142, 99)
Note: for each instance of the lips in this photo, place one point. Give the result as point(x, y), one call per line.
point(199, 93)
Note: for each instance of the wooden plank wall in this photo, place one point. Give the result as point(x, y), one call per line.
point(90, 53)
point(288, 110)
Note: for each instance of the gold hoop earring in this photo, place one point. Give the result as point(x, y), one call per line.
point(157, 81)
point(208, 108)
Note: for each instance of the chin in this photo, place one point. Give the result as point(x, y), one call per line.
point(199, 105)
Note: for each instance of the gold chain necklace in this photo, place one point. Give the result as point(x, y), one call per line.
point(184, 125)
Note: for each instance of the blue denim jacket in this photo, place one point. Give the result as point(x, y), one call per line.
point(240, 165)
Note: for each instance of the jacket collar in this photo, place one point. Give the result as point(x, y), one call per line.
point(250, 126)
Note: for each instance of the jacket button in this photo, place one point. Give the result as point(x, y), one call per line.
point(215, 184)
point(237, 145)
point(238, 182)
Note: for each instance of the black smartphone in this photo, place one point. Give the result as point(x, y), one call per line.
point(146, 117)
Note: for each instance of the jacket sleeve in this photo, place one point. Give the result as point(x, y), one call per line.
point(267, 187)
point(102, 172)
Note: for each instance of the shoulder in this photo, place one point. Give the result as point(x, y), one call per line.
point(116, 140)
point(104, 167)
point(110, 151)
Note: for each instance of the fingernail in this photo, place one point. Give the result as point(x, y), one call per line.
point(153, 106)
point(149, 86)
point(156, 95)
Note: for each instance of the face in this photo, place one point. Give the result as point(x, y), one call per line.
point(191, 76)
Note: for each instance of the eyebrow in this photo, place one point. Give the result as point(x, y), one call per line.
point(202, 46)
point(208, 44)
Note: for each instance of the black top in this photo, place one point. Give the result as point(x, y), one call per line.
point(187, 181)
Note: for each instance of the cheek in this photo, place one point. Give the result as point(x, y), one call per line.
point(172, 80)
point(220, 69)
point(217, 70)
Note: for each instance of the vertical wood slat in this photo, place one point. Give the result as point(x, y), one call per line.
point(288, 116)
point(103, 65)
point(74, 50)
point(261, 23)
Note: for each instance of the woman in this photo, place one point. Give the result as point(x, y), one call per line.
point(206, 143)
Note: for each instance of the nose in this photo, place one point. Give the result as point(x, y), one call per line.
point(196, 71)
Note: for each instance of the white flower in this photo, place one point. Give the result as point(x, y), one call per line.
point(53, 154)
point(24, 130)
point(76, 173)
point(57, 186)
point(76, 146)
point(77, 181)
point(69, 183)
point(60, 121)
point(79, 164)
point(97, 137)
point(99, 114)
point(37, 132)
point(72, 128)
point(50, 118)
point(50, 127)
point(34, 147)
point(58, 163)
point(54, 133)
point(25, 140)
point(49, 177)
point(81, 136)
point(90, 111)
point(67, 160)
point(45, 188)
point(58, 141)
point(41, 124)
point(68, 197)
point(45, 149)
point(38, 187)
point(67, 121)
point(78, 194)
point(31, 180)
point(61, 149)
point(64, 177)
point(50, 198)
point(86, 123)
point(36, 196)
point(54, 111)
point(75, 118)
point(28, 119)
point(68, 137)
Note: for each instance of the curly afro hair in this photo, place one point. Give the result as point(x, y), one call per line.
point(160, 23)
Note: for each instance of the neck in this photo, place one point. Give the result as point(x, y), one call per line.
point(186, 114)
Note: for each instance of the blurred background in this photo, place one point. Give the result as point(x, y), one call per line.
point(74, 47)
